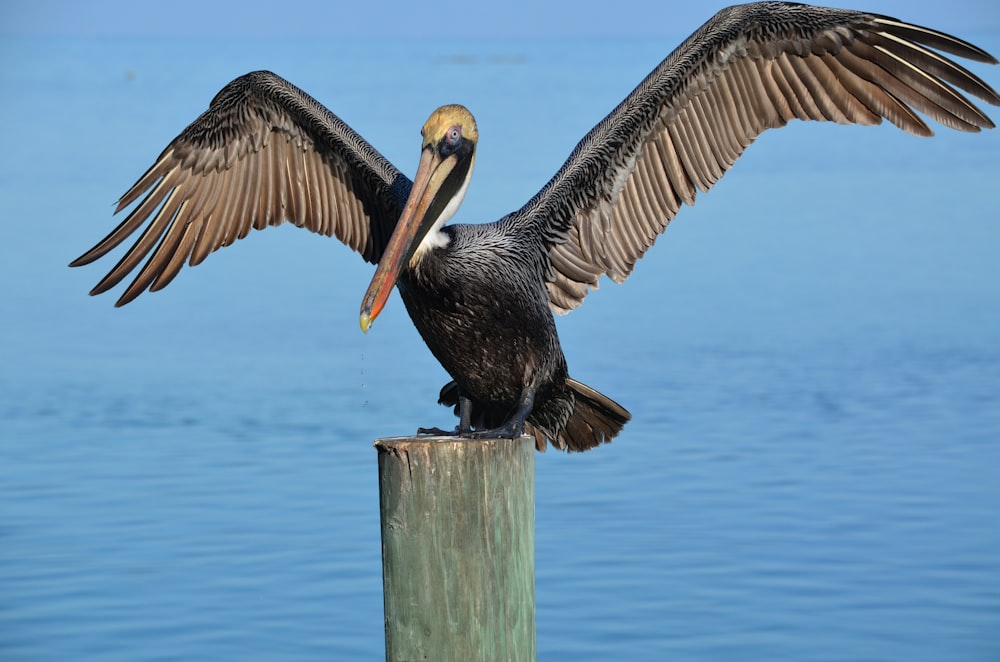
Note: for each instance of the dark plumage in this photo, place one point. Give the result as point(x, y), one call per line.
point(482, 296)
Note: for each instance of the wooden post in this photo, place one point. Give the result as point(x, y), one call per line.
point(458, 548)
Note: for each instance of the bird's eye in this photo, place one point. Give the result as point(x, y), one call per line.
point(452, 140)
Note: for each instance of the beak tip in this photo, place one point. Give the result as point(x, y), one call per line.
point(366, 322)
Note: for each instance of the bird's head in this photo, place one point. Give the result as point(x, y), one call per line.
point(447, 156)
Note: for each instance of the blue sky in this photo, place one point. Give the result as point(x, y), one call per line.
point(438, 18)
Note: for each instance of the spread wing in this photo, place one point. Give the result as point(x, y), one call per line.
point(264, 152)
point(752, 67)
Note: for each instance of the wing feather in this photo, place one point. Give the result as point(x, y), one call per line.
point(750, 68)
point(176, 261)
point(263, 153)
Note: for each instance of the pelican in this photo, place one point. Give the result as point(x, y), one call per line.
point(482, 296)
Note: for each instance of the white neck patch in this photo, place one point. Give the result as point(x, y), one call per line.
point(434, 237)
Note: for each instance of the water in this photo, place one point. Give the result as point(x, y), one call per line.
point(810, 355)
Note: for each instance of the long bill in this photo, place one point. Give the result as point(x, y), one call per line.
point(411, 228)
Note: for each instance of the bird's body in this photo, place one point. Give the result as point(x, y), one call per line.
point(483, 296)
point(463, 326)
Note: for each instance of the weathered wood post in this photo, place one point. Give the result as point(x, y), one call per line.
point(458, 548)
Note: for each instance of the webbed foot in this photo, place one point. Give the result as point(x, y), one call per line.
point(509, 430)
point(438, 432)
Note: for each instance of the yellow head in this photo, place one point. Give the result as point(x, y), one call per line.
point(447, 118)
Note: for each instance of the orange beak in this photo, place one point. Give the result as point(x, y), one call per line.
point(410, 230)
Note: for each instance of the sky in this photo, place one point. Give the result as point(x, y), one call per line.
point(436, 18)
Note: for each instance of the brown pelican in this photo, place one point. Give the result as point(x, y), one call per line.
point(482, 296)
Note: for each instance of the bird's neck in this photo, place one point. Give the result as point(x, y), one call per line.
point(435, 237)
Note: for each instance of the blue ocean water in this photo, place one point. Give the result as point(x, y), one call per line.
point(811, 355)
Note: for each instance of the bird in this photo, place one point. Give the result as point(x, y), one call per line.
point(483, 295)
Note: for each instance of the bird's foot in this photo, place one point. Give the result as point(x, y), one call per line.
point(510, 430)
point(438, 432)
point(514, 427)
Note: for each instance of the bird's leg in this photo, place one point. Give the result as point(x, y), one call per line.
point(464, 413)
point(464, 420)
point(514, 426)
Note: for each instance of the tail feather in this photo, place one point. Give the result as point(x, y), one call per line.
point(596, 419)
